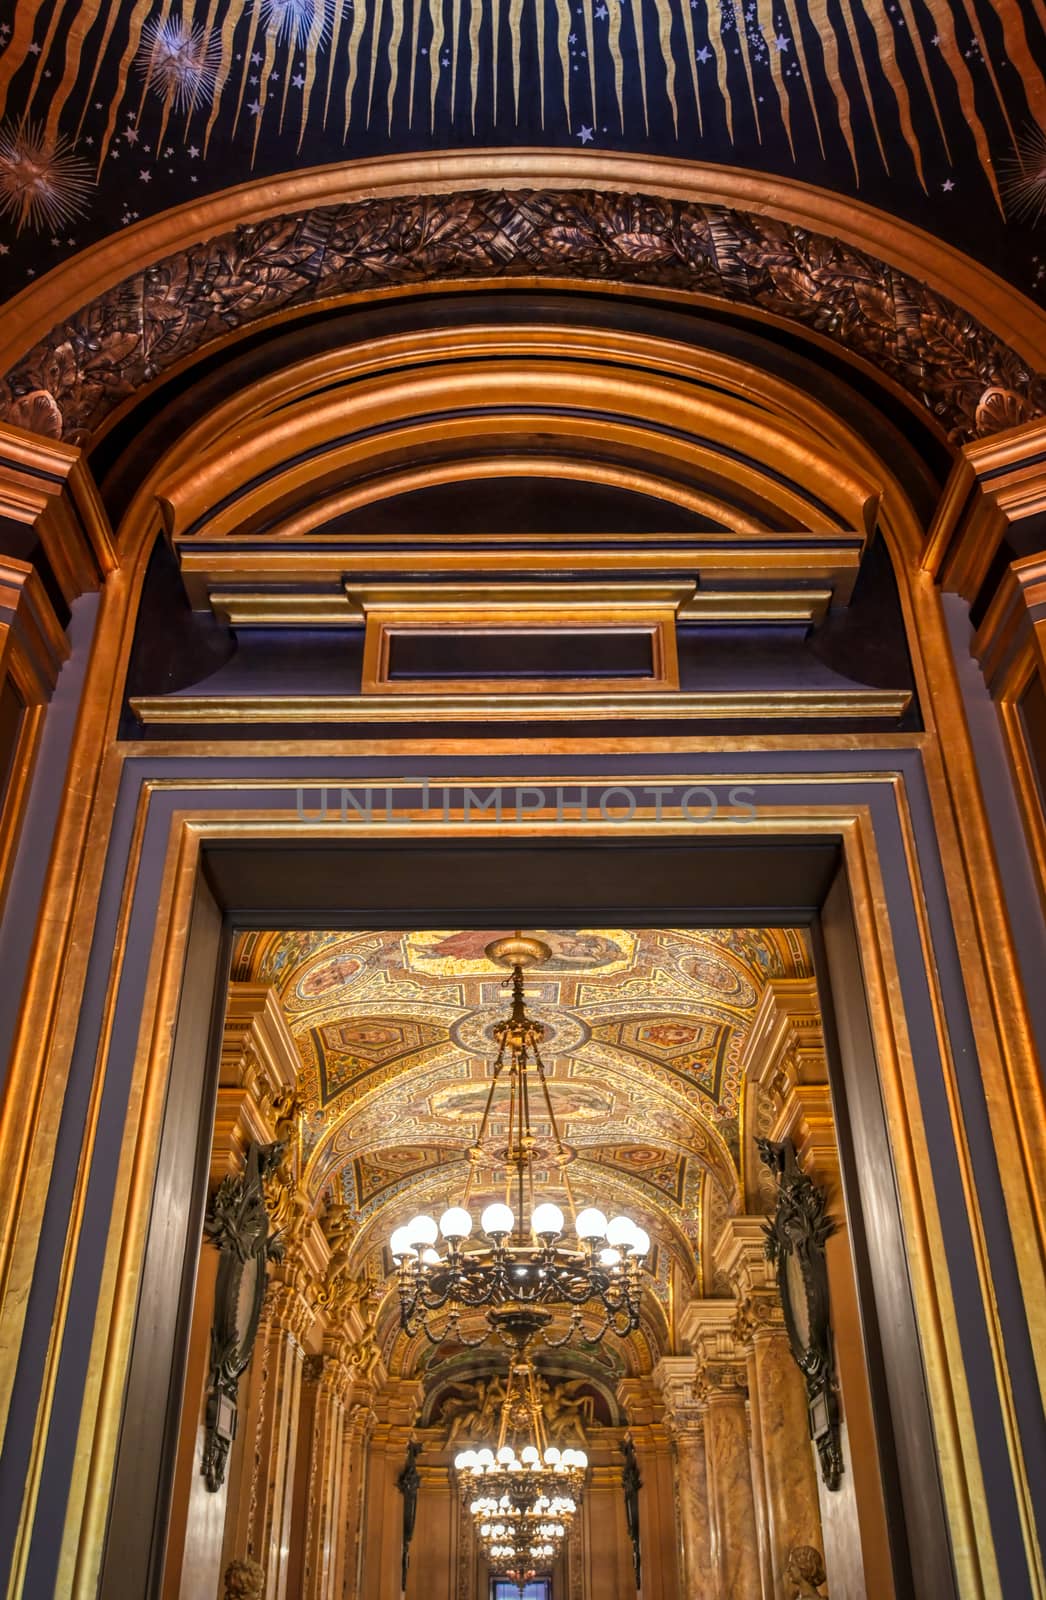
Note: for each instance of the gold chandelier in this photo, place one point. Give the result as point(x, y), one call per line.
point(524, 1260)
point(521, 1491)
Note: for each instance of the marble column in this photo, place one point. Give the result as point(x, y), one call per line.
point(357, 1426)
point(694, 1514)
point(793, 1515)
point(734, 1540)
point(676, 1377)
point(325, 1496)
point(261, 1524)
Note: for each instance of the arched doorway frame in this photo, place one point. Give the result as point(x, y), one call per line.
point(993, 988)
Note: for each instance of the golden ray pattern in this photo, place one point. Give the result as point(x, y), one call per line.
point(688, 74)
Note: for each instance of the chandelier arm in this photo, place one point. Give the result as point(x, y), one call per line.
point(543, 1080)
point(477, 1144)
point(573, 1326)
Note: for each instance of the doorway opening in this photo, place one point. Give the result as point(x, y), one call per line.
point(676, 1057)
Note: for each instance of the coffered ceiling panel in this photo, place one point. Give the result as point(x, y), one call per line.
point(644, 1031)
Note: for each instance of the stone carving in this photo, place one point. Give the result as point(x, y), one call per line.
point(238, 1224)
point(567, 1412)
point(69, 383)
point(365, 1355)
point(244, 1580)
point(795, 1241)
point(806, 1570)
point(475, 1413)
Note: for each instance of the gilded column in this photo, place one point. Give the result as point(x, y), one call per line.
point(273, 1409)
point(676, 1376)
point(734, 1540)
point(325, 1527)
point(782, 1453)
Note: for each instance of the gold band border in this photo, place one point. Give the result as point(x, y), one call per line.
point(951, 1406)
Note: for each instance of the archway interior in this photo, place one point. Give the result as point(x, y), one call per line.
point(645, 1032)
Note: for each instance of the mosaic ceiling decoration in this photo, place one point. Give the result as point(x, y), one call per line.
point(644, 1033)
point(111, 110)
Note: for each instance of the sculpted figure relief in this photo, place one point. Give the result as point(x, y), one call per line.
point(566, 1412)
point(475, 1413)
point(805, 1570)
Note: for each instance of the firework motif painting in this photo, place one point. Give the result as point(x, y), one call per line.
point(43, 183)
point(112, 110)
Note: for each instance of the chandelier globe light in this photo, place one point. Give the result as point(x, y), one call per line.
point(521, 1491)
point(523, 1253)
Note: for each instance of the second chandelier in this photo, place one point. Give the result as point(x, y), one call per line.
point(525, 1259)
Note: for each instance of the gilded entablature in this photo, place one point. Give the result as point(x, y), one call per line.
point(161, 317)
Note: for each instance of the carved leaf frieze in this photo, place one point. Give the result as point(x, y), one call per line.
point(69, 383)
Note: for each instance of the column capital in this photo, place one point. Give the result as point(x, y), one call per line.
point(287, 1310)
point(258, 1069)
point(640, 1401)
point(676, 1378)
point(740, 1255)
point(710, 1327)
point(49, 499)
point(783, 1062)
point(995, 494)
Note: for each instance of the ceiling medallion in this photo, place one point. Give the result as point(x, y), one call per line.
point(520, 1490)
point(523, 1261)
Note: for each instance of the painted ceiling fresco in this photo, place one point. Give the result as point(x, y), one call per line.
point(644, 1033)
point(111, 110)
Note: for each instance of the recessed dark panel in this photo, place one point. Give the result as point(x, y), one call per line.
point(769, 881)
point(435, 653)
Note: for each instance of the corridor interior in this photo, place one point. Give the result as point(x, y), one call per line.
point(672, 1056)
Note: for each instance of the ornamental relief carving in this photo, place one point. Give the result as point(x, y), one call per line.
point(70, 382)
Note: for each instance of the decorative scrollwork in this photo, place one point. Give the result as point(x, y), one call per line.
point(795, 1243)
point(238, 1225)
point(161, 317)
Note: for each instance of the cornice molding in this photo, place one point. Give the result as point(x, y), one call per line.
point(788, 252)
point(46, 485)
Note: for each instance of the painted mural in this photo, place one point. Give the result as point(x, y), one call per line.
point(111, 110)
point(644, 1035)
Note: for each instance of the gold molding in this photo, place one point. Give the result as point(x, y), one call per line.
point(33, 646)
point(994, 483)
point(1010, 645)
point(951, 1405)
point(259, 608)
point(781, 561)
point(241, 485)
point(639, 705)
point(1002, 308)
point(48, 486)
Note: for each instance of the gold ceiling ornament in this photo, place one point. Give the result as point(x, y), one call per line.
point(520, 1490)
point(523, 1273)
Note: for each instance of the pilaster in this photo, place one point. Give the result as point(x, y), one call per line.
point(676, 1377)
point(783, 1062)
point(784, 1474)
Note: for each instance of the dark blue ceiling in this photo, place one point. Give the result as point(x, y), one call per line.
point(115, 109)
